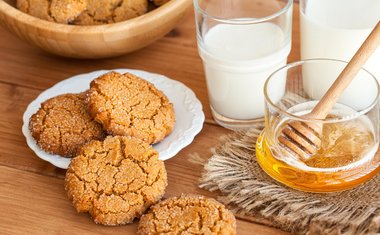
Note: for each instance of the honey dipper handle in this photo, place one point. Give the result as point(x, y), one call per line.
point(324, 106)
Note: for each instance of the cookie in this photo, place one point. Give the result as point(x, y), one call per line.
point(127, 105)
point(62, 125)
point(188, 214)
point(115, 180)
point(159, 2)
point(111, 11)
point(60, 11)
point(84, 12)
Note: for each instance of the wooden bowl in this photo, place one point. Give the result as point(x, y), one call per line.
point(98, 41)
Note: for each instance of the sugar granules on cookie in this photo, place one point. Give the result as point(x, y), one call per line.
point(115, 180)
point(62, 125)
point(190, 214)
point(131, 106)
point(84, 12)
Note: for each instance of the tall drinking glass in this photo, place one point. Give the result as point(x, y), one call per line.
point(241, 42)
point(335, 29)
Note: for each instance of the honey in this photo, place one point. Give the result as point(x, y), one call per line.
point(345, 159)
point(350, 135)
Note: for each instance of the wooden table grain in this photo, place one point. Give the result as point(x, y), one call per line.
point(32, 198)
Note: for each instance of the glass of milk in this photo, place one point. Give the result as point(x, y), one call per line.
point(241, 42)
point(335, 29)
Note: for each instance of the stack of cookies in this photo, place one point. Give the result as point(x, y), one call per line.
point(115, 174)
point(87, 12)
point(115, 104)
point(114, 178)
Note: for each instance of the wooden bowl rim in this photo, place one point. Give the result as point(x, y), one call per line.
point(165, 10)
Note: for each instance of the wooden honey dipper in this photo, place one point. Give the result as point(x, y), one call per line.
point(304, 139)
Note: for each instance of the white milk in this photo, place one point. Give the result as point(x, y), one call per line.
point(335, 29)
point(237, 60)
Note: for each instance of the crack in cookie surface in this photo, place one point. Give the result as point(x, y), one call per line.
point(115, 180)
point(127, 105)
point(62, 125)
point(84, 12)
point(188, 214)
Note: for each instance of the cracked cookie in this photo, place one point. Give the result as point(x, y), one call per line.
point(62, 125)
point(128, 105)
point(115, 180)
point(84, 12)
point(188, 214)
point(60, 11)
point(111, 11)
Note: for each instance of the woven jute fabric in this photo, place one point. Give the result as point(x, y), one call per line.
point(234, 171)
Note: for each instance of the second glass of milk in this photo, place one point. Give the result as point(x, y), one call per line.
point(335, 29)
point(241, 42)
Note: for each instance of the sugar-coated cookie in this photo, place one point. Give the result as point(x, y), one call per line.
point(128, 105)
point(84, 12)
point(62, 125)
point(188, 214)
point(115, 180)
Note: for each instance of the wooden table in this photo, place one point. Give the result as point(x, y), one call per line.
point(32, 197)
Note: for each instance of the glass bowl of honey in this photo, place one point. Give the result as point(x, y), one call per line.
point(348, 154)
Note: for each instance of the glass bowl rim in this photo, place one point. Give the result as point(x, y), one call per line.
point(243, 21)
point(289, 115)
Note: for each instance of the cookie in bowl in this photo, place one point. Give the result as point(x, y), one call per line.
point(62, 125)
point(130, 106)
point(111, 11)
point(91, 41)
point(115, 180)
point(60, 11)
point(84, 12)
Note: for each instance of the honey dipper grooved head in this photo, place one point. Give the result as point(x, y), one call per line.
point(301, 138)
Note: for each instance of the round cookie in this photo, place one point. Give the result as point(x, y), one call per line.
point(62, 125)
point(60, 11)
point(111, 11)
point(84, 12)
point(127, 105)
point(115, 180)
point(188, 214)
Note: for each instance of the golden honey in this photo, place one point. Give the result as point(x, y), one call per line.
point(346, 158)
point(350, 135)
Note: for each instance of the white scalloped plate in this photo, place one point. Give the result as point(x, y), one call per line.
point(188, 110)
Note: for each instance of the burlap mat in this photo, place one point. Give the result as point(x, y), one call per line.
point(233, 171)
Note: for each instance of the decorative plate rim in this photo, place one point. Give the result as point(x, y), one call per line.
point(168, 148)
